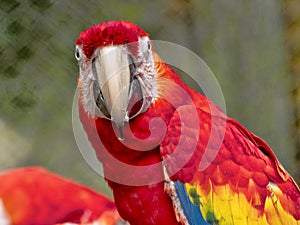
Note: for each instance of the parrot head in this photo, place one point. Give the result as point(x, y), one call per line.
point(116, 71)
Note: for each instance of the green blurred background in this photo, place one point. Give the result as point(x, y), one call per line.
point(252, 46)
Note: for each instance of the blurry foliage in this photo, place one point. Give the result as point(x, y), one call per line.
point(241, 41)
point(292, 26)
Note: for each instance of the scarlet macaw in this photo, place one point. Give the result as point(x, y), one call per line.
point(172, 173)
point(34, 196)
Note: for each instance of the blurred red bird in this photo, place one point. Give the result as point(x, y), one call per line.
point(171, 172)
point(34, 196)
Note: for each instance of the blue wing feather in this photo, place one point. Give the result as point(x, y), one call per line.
point(191, 211)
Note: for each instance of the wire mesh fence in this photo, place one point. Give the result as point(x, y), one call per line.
point(243, 43)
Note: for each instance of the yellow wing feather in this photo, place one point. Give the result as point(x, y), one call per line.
point(223, 206)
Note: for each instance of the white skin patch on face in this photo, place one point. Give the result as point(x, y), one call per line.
point(4, 219)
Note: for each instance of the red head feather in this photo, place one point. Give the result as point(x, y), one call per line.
point(109, 33)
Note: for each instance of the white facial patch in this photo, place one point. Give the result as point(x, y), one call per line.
point(86, 83)
point(146, 69)
point(144, 45)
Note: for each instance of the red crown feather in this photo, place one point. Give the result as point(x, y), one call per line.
point(109, 33)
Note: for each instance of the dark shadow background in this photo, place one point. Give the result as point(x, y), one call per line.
point(245, 43)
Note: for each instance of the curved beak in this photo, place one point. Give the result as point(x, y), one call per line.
point(112, 72)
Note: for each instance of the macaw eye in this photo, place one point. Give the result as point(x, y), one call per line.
point(149, 45)
point(77, 54)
